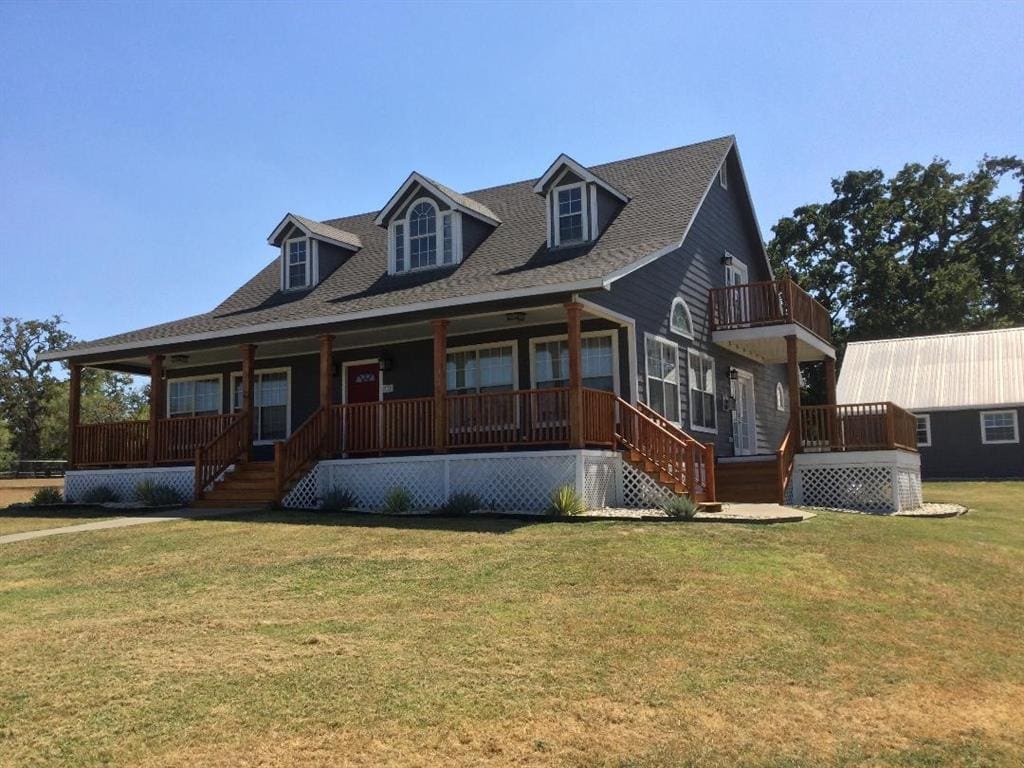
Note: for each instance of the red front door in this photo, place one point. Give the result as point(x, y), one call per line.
point(362, 420)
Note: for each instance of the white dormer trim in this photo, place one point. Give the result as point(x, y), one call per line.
point(312, 264)
point(427, 184)
point(291, 220)
point(563, 160)
point(554, 219)
point(455, 217)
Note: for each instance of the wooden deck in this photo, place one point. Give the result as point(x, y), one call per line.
point(774, 302)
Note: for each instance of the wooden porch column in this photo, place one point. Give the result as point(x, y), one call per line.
point(830, 380)
point(156, 389)
point(326, 369)
point(440, 385)
point(573, 312)
point(74, 412)
point(793, 373)
point(248, 391)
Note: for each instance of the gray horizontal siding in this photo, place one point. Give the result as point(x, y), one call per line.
point(956, 449)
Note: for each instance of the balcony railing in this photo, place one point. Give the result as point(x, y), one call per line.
point(860, 427)
point(775, 302)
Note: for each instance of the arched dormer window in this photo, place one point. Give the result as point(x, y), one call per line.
point(680, 320)
point(427, 237)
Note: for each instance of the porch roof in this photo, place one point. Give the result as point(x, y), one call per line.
point(665, 190)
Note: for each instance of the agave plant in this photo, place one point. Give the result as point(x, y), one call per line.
point(566, 502)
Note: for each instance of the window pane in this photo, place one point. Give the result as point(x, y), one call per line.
point(272, 389)
point(570, 214)
point(207, 396)
point(422, 236)
point(496, 368)
point(296, 275)
point(399, 248)
point(669, 364)
point(447, 237)
point(999, 426)
point(672, 402)
point(551, 363)
point(656, 395)
point(273, 422)
point(179, 397)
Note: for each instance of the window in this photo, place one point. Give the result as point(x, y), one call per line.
point(272, 406)
point(570, 214)
point(924, 430)
point(297, 268)
point(780, 397)
point(680, 320)
point(422, 236)
point(426, 238)
point(999, 427)
point(723, 177)
point(597, 362)
point(702, 392)
point(484, 369)
point(663, 377)
point(198, 396)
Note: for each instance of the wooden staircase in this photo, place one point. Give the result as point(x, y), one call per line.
point(250, 484)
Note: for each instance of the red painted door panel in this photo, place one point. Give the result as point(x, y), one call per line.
point(361, 428)
point(363, 384)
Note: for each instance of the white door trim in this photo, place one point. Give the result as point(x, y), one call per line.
point(344, 377)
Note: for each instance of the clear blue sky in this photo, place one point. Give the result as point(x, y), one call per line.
point(147, 150)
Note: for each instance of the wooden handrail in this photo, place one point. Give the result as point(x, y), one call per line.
point(178, 436)
point(221, 452)
point(661, 421)
point(770, 302)
point(785, 457)
point(303, 445)
point(856, 427)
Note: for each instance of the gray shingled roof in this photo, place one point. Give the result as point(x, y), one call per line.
point(326, 230)
point(665, 191)
point(464, 200)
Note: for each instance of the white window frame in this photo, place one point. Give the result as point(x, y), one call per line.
point(1016, 427)
point(585, 335)
point(513, 345)
point(648, 337)
point(456, 226)
point(780, 396)
point(927, 429)
point(555, 220)
point(714, 391)
point(311, 260)
point(288, 405)
point(723, 175)
point(679, 301)
point(218, 377)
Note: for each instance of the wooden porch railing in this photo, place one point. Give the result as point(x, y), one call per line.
point(123, 443)
point(177, 437)
point(785, 457)
point(388, 426)
point(705, 455)
point(221, 452)
point(859, 427)
point(508, 418)
point(311, 440)
point(684, 461)
point(774, 302)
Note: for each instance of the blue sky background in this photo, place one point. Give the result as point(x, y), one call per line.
point(146, 151)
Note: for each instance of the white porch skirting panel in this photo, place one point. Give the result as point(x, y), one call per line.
point(869, 481)
point(520, 480)
point(123, 481)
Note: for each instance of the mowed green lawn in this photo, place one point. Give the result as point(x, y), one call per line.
point(344, 640)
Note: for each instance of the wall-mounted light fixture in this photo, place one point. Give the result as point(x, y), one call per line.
point(733, 374)
point(385, 363)
point(179, 359)
point(727, 260)
point(515, 317)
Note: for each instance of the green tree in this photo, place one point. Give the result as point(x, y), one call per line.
point(925, 251)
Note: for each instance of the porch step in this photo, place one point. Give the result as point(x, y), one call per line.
point(226, 503)
point(249, 484)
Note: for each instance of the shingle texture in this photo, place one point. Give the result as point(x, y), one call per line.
point(665, 191)
point(956, 370)
point(326, 230)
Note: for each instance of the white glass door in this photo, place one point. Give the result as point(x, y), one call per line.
point(744, 428)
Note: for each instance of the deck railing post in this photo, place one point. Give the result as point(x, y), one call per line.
point(326, 391)
point(248, 392)
point(890, 426)
point(793, 374)
point(440, 386)
point(709, 469)
point(74, 413)
point(156, 376)
point(199, 473)
point(574, 312)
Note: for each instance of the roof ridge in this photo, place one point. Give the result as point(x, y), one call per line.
point(936, 335)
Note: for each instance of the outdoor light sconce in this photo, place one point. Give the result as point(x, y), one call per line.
point(385, 364)
point(733, 374)
point(728, 403)
point(727, 260)
point(515, 317)
point(179, 359)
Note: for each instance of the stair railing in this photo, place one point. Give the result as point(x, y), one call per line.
point(305, 444)
point(704, 453)
point(221, 452)
point(785, 457)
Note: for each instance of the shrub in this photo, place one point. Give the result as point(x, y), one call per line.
point(398, 501)
point(679, 507)
point(460, 504)
point(47, 495)
point(565, 502)
point(154, 494)
point(338, 501)
point(101, 494)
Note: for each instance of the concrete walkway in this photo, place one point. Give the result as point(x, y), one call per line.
point(117, 522)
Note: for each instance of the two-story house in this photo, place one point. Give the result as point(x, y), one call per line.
point(614, 327)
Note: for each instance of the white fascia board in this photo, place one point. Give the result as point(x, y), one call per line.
point(289, 219)
point(564, 160)
point(367, 314)
point(416, 178)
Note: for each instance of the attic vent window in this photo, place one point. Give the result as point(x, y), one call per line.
point(570, 214)
point(298, 264)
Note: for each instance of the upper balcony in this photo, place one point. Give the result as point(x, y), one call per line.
point(754, 320)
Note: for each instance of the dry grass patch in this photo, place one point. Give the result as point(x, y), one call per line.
point(346, 640)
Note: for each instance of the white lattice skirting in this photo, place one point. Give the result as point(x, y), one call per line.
point(123, 481)
point(523, 480)
point(869, 481)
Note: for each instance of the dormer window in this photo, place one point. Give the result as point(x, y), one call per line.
point(571, 224)
point(431, 238)
point(298, 264)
